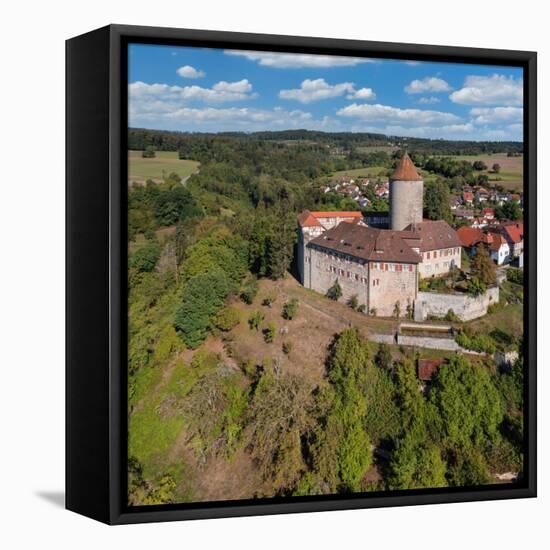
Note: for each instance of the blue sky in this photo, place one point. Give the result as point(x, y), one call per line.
point(213, 90)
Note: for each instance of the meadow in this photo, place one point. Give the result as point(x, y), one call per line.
point(511, 169)
point(165, 162)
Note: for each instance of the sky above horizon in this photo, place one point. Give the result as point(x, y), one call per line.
point(213, 90)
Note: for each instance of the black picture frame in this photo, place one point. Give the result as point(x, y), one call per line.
point(96, 259)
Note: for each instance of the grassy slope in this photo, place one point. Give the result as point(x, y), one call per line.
point(140, 169)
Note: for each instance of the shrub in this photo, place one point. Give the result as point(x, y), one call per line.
point(476, 287)
point(249, 289)
point(353, 302)
point(335, 291)
point(290, 309)
point(268, 299)
point(227, 318)
point(287, 347)
point(514, 275)
point(255, 320)
point(362, 308)
point(481, 343)
point(269, 333)
point(451, 316)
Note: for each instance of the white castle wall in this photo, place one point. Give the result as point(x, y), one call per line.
point(465, 307)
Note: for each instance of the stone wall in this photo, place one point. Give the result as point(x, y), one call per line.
point(465, 307)
point(375, 288)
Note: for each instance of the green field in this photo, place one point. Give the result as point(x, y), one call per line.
point(165, 162)
point(511, 169)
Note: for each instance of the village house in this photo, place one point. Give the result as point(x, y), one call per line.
point(513, 233)
point(381, 266)
point(500, 251)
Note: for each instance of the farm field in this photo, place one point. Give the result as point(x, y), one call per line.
point(165, 162)
point(511, 169)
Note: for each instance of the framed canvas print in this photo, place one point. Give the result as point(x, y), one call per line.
point(301, 274)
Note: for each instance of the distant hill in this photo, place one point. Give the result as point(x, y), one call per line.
point(163, 140)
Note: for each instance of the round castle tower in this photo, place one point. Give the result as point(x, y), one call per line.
point(406, 195)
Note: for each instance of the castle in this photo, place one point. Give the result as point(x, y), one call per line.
point(381, 267)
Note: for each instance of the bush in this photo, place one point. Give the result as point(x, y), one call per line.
point(145, 258)
point(269, 333)
point(353, 302)
point(290, 309)
point(362, 308)
point(482, 343)
point(287, 347)
point(227, 318)
point(268, 299)
point(255, 320)
point(249, 289)
point(476, 287)
point(451, 316)
point(335, 291)
point(514, 275)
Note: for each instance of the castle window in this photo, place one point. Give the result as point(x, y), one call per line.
point(428, 255)
point(435, 254)
point(356, 277)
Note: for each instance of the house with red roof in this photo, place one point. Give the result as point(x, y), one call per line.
point(488, 213)
point(513, 233)
point(467, 197)
point(499, 249)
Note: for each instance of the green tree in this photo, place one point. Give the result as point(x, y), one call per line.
point(468, 402)
point(280, 244)
point(416, 466)
point(482, 266)
point(202, 296)
point(479, 165)
point(436, 201)
point(148, 152)
point(145, 258)
point(335, 291)
point(496, 168)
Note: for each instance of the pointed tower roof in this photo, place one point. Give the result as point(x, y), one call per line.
point(405, 170)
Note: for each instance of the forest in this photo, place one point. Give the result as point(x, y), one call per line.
point(205, 261)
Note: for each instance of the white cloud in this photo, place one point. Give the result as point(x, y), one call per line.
point(428, 84)
point(496, 115)
point(219, 93)
point(412, 63)
point(489, 90)
point(187, 71)
point(314, 90)
point(299, 61)
point(431, 100)
point(366, 94)
point(394, 115)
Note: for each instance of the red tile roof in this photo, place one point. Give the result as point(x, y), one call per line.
point(367, 243)
point(514, 230)
point(467, 196)
point(307, 219)
point(497, 241)
point(405, 170)
point(469, 236)
point(428, 367)
point(434, 235)
point(311, 219)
